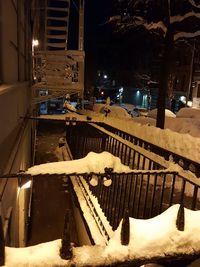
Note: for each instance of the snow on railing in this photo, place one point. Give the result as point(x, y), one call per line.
point(172, 237)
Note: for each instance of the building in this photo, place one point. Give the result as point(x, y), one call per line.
point(33, 48)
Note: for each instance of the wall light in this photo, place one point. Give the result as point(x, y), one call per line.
point(35, 42)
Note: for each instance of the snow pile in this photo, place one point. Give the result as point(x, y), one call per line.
point(115, 111)
point(188, 113)
point(69, 106)
point(158, 236)
point(44, 255)
point(155, 237)
point(182, 144)
point(182, 135)
point(153, 113)
point(93, 162)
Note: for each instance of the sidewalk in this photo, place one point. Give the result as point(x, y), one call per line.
point(50, 199)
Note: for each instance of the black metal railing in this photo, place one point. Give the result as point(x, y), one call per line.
point(83, 138)
point(185, 163)
point(144, 194)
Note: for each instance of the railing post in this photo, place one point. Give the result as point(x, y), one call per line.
point(2, 244)
point(125, 231)
point(180, 221)
point(66, 247)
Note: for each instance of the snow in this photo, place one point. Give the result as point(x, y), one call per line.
point(181, 135)
point(153, 113)
point(115, 111)
point(155, 237)
point(147, 234)
point(69, 106)
point(44, 255)
point(93, 162)
point(149, 238)
point(188, 113)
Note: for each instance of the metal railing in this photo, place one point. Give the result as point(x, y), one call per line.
point(185, 163)
point(148, 191)
point(144, 194)
point(83, 137)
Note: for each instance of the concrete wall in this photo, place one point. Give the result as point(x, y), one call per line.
point(15, 151)
point(9, 55)
point(15, 94)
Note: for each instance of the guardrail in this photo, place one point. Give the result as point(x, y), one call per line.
point(144, 194)
point(185, 163)
point(85, 137)
point(126, 146)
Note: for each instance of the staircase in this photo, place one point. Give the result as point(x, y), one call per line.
point(56, 70)
point(57, 24)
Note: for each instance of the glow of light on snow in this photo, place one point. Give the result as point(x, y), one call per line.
point(90, 216)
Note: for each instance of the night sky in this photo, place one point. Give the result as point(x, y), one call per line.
point(97, 36)
point(104, 49)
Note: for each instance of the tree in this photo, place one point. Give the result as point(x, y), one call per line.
point(174, 20)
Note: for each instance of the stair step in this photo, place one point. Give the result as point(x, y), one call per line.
point(59, 45)
point(57, 28)
point(58, 18)
point(61, 9)
point(56, 36)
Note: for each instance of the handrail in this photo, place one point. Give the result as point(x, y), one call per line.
point(184, 162)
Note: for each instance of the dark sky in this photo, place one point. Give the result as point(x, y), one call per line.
point(96, 14)
point(97, 35)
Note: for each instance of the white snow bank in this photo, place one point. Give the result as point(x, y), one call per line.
point(153, 113)
point(188, 113)
point(156, 237)
point(93, 162)
point(182, 135)
point(44, 255)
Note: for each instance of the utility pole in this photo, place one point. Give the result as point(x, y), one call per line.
point(81, 42)
point(81, 26)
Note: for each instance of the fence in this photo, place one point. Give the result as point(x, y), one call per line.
point(83, 138)
point(146, 192)
point(185, 163)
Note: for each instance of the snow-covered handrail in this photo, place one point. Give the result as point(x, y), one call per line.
point(156, 240)
point(92, 164)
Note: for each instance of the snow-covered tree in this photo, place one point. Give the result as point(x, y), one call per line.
point(174, 20)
